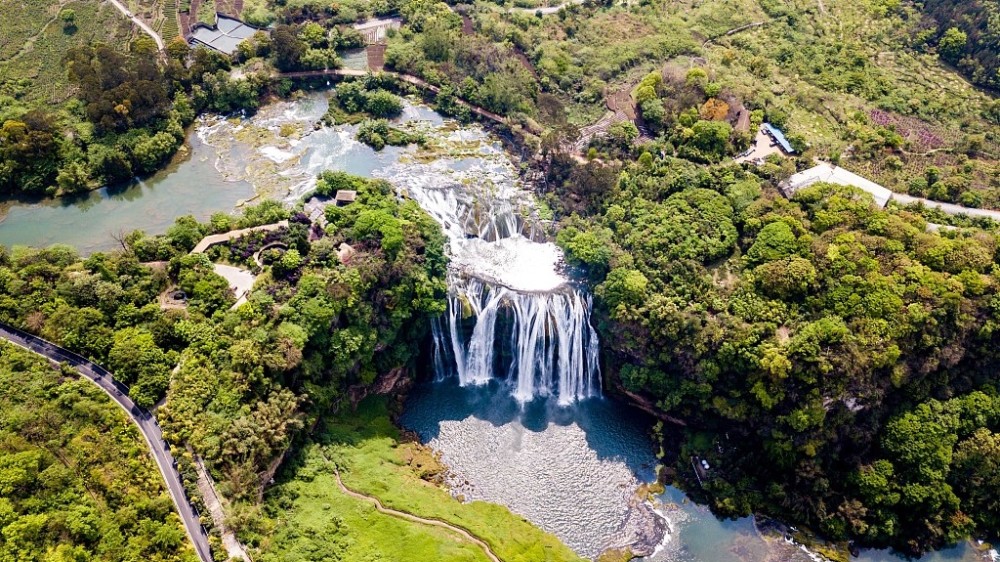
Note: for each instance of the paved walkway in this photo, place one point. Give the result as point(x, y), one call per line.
point(209, 241)
point(142, 25)
point(213, 503)
point(947, 208)
point(240, 281)
point(545, 10)
point(144, 420)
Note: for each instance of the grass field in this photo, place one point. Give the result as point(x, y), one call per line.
point(372, 459)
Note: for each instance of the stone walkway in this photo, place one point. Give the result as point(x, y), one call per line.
point(240, 281)
point(213, 503)
point(209, 241)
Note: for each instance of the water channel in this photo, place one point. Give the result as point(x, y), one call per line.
point(525, 426)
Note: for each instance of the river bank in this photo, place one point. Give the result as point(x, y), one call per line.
point(517, 446)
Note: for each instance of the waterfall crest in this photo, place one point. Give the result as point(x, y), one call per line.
point(512, 315)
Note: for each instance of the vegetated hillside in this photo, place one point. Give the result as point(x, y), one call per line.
point(37, 34)
point(76, 481)
point(315, 519)
point(835, 363)
point(333, 313)
point(967, 34)
point(844, 79)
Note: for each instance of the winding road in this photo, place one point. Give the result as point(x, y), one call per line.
point(143, 419)
point(142, 25)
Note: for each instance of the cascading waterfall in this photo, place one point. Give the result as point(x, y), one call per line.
point(553, 348)
point(511, 314)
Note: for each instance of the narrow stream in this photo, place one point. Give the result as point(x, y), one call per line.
point(515, 410)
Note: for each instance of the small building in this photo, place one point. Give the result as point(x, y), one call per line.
point(829, 173)
point(225, 37)
point(345, 197)
point(778, 137)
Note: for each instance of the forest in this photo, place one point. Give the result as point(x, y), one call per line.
point(76, 482)
point(833, 361)
point(241, 384)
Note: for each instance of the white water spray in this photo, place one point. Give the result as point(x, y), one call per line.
point(511, 313)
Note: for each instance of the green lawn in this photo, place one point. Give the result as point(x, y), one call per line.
point(367, 448)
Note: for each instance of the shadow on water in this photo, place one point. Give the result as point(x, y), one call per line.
point(190, 184)
point(613, 431)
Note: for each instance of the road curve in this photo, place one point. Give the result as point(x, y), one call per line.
point(142, 25)
point(143, 419)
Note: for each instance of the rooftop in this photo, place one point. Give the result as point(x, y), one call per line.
point(226, 36)
point(835, 174)
point(778, 137)
point(346, 196)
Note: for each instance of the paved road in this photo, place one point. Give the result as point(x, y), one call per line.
point(146, 422)
point(142, 25)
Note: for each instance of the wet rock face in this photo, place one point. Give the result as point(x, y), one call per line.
point(643, 528)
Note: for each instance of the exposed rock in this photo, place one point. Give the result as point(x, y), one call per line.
point(395, 381)
point(644, 526)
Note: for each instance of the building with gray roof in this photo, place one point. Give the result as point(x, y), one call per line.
point(225, 37)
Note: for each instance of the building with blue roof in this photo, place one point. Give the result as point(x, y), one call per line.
point(778, 137)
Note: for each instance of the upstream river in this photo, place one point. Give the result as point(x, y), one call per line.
point(570, 462)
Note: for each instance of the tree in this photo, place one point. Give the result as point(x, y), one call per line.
point(714, 110)
point(381, 103)
point(952, 44)
point(623, 133)
point(711, 137)
point(774, 242)
point(73, 177)
point(68, 17)
point(623, 287)
point(287, 49)
point(136, 360)
point(976, 474)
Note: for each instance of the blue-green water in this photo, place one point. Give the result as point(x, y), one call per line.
point(190, 185)
point(571, 470)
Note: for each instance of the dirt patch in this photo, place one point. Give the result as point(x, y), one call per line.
point(526, 63)
point(621, 101)
point(376, 56)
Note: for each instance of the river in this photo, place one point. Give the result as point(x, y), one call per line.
point(515, 408)
point(189, 185)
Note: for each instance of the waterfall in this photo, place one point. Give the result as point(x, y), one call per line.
point(512, 315)
point(552, 348)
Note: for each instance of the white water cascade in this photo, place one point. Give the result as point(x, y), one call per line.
point(550, 346)
point(512, 315)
